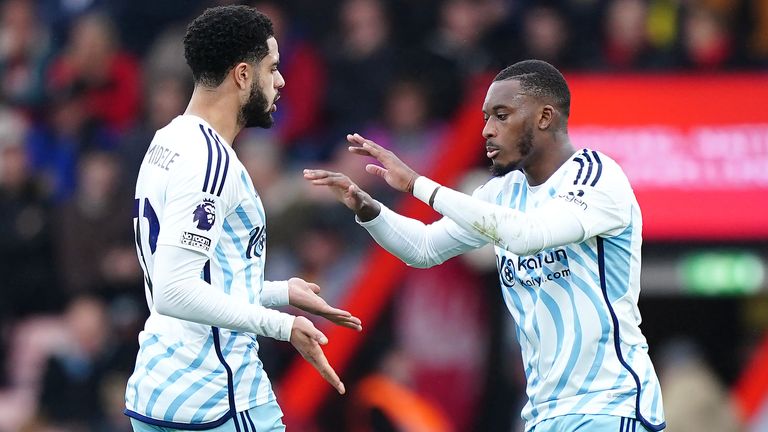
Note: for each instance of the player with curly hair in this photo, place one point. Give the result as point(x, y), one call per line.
point(200, 238)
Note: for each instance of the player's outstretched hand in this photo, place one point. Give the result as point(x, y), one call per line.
point(356, 199)
point(397, 174)
point(307, 340)
point(305, 296)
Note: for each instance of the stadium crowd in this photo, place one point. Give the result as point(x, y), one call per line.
point(84, 85)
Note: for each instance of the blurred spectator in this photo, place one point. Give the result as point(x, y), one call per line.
point(454, 53)
point(361, 66)
point(705, 41)
point(545, 33)
point(56, 144)
point(104, 261)
point(108, 76)
point(76, 376)
point(25, 247)
point(299, 116)
point(626, 45)
point(24, 54)
point(407, 126)
point(758, 40)
point(694, 399)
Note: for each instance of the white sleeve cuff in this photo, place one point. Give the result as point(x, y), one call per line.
point(275, 294)
point(423, 188)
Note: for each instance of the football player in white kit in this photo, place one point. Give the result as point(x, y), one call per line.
point(567, 231)
point(200, 237)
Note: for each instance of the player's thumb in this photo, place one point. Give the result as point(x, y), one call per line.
point(319, 337)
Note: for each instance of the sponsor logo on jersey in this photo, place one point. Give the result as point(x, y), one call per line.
point(533, 270)
point(196, 241)
point(205, 215)
point(575, 197)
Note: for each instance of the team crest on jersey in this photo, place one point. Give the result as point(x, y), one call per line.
point(205, 215)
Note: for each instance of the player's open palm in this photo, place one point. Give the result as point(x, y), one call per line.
point(305, 296)
point(394, 171)
point(308, 340)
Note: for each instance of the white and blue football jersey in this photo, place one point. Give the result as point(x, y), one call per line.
point(193, 192)
point(575, 306)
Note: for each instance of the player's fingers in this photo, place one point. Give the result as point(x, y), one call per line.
point(359, 151)
point(320, 363)
point(376, 170)
point(311, 174)
point(314, 287)
point(355, 139)
point(336, 312)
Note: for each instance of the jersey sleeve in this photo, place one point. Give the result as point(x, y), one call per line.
point(197, 199)
point(599, 194)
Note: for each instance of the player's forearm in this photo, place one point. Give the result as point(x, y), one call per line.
point(415, 243)
point(180, 293)
point(510, 229)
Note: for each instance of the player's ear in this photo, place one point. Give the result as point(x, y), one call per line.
point(546, 116)
point(241, 72)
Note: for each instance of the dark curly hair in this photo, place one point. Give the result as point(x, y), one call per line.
point(541, 79)
point(222, 37)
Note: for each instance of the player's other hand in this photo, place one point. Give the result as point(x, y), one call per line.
point(356, 199)
point(305, 296)
point(396, 173)
point(307, 340)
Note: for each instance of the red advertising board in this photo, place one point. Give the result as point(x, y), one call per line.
point(695, 148)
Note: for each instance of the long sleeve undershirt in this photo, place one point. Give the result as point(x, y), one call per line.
point(179, 292)
point(471, 223)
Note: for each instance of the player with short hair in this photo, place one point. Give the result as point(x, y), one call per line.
point(567, 231)
point(200, 237)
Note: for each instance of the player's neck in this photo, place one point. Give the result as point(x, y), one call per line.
point(550, 160)
point(220, 112)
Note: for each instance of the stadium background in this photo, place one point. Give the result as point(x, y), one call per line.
point(675, 90)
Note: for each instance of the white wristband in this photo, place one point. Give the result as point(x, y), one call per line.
point(423, 188)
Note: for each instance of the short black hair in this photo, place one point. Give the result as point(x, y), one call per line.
point(222, 37)
point(540, 79)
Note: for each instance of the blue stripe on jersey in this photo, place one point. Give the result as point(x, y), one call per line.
point(154, 396)
point(184, 396)
point(153, 339)
point(523, 199)
point(218, 396)
point(618, 256)
point(242, 251)
point(253, 426)
point(175, 425)
point(226, 268)
point(581, 168)
point(584, 286)
point(210, 159)
point(230, 382)
point(589, 167)
point(575, 353)
point(599, 168)
point(245, 422)
point(153, 362)
point(226, 164)
point(557, 319)
point(218, 162)
point(259, 208)
point(617, 338)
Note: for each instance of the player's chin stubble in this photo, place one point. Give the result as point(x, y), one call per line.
point(255, 112)
point(524, 147)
